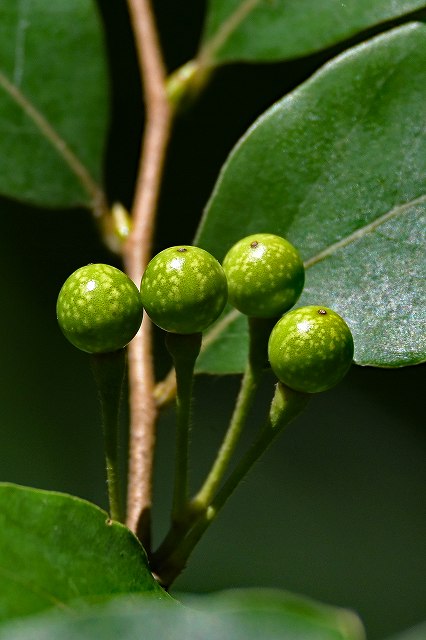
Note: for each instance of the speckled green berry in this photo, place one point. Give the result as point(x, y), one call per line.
point(184, 289)
point(99, 309)
point(265, 275)
point(310, 349)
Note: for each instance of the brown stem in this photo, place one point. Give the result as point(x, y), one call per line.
point(136, 254)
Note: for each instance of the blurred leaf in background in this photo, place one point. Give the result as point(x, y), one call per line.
point(244, 615)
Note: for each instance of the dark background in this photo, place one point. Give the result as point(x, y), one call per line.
point(335, 510)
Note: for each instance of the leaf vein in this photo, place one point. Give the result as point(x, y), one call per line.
point(216, 331)
point(75, 165)
point(226, 29)
point(399, 209)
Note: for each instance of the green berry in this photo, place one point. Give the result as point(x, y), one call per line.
point(99, 309)
point(311, 349)
point(184, 289)
point(265, 275)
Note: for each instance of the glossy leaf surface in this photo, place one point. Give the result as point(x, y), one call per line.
point(53, 101)
point(238, 615)
point(55, 549)
point(267, 30)
point(338, 167)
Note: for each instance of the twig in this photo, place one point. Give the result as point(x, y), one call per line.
point(136, 254)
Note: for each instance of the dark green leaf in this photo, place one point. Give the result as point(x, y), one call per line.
point(267, 30)
point(225, 346)
point(241, 616)
point(339, 168)
point(53, 101)
point(55, 549)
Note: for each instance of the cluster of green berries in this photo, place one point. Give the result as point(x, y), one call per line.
point(184, 290)
point(311, 348)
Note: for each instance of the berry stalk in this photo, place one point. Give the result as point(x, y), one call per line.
point(259, 330)
point(184, 350)
point(108, 370)
point(286, 405)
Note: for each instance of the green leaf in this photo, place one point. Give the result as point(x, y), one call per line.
point(241, 616)
point(339, 168)
point(53, 101)
point(55, 549)
point(268, 30)
point(225, 345)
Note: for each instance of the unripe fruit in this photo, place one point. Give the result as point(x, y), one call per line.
point(265, 275)
point(311, 349)
point(99, 309)
point(184, 289)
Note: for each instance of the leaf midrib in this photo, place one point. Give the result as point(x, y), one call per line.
point(363, 231)
point(233, 21)
point(47, 131)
